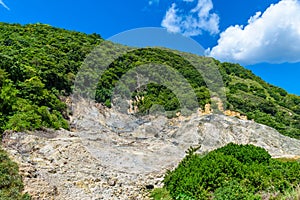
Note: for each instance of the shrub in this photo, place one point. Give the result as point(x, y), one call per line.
point(10, 181)
point(231, 172)
point(233, 190)
point(246, 153)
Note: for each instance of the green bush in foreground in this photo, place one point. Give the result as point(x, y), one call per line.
point(10, 181)
point(232, 172)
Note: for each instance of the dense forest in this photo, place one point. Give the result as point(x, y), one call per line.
point(38, 67)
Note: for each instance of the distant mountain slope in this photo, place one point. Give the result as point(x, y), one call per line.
point(245, 92)
point(265, 103)
point(38, 64)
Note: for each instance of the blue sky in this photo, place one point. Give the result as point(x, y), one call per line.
point(262, 35)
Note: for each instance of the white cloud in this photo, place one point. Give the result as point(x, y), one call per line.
point(171, 20)
point(272, 36)
point(4, 5)
point(193, 23)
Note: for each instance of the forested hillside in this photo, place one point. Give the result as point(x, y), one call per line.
point(37, 66)
point(39, 63)
point(245, 92)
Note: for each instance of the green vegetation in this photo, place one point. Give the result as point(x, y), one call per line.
point(265, 103)
point(246, 93)
point(154, 93)
point(160, 194)
point(38, 64)
point(231, 172)
point(10, 181)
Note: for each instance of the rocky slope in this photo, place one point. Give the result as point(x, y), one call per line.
point(110, 155)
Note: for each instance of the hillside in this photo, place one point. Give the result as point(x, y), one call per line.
point(245, 93)
point(43, 72)
point(39, 64)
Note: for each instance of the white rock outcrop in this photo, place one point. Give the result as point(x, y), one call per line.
point(110, 155)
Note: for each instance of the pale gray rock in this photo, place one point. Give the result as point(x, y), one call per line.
point(112, 155)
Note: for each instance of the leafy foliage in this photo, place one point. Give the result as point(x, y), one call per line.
point(153, 93)
point(246, 93)
point(160, 194)
point(37, 65)
point(10, 181)
point(232, 172)
point(265, 103)
point(245, 153)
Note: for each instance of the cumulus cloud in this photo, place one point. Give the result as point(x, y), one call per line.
point(171, 21)
point(272, 36)
point(194, 22)
point(4, 5)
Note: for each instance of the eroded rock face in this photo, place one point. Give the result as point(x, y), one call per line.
point(116, 156)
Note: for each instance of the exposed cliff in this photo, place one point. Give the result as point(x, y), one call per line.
point(110, 155)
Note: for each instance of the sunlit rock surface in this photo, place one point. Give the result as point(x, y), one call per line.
point(110, 155)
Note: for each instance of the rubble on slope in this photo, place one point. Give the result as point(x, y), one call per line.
point(111, 155)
